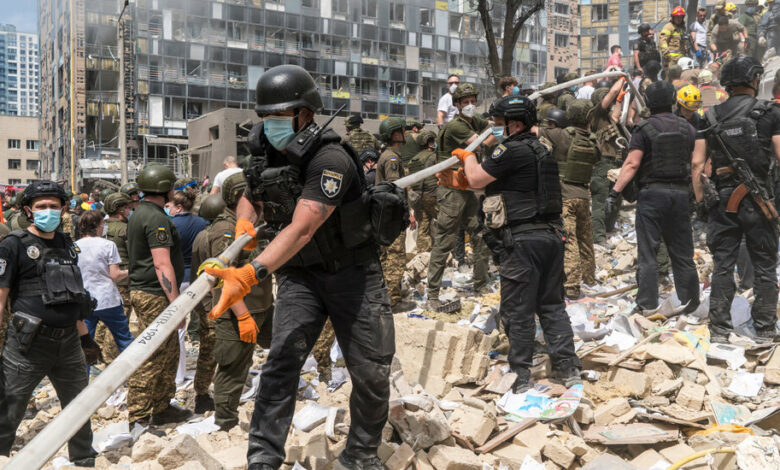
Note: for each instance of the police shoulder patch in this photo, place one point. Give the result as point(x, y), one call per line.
point(162, 234)
point(498, 152)
point(3, 265)
point(330, 182)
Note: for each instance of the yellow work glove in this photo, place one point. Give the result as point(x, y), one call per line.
point(247, 328)
point(245, 226)
point(237, 284)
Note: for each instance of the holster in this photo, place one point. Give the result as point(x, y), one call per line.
point(26, 327)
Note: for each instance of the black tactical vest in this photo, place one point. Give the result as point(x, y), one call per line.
point(670, 158)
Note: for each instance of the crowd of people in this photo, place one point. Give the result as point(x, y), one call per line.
point(533, 198)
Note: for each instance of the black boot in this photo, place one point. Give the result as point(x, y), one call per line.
point(172, 414)
point(522, 382)
point(203, 403)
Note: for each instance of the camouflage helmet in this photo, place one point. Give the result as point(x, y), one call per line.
point(183, 183)
point(720, 4)
point(577, 112)
point(129, 188)
point(115, 201)
point(571, 76)
point(233, 188)
point(464, 90)
point(389, 126)
point(211, 207)
point(353, 120)
point(156, 179)
point(105, 193)
point(412, 122)
point(547, 85)
point(424, 137)
point(598, 95)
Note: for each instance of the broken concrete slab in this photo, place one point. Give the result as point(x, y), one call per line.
point(558, 453)
point(637, 433)
point(401, 458)
point(184, 448)
point(636, 384)
point(475, 424)
point(691, 396)
point(650, 459)
point(611, 410)
point(608, 461)
point(420, 428)
point(453, 458)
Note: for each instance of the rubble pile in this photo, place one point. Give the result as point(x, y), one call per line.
point(655, 392)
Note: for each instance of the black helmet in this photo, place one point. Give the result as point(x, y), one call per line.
point(129, 188)
point(369, 155)
point(558, 116)
point(211, 207)
point(353, 120)
point(42, 188)
point(115, 201)
point(660, 95)
point(603, 84)
point(520, 108)
point(643, 28)
point(233, 188)
point(156, 179)
point(286, 87)
point(740, 71)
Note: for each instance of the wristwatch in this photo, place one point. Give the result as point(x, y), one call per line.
point(261, 272)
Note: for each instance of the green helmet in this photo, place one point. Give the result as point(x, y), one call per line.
point(570, 76)
point(547, 85)
point(598, 95)
point(390, 125)
point(233, 188)
point(156, 179)
point(69, 193)
point(129, 188)
point(412, 122)
point(183, 183)
point(115, 201)
point(577, 112)
point(464, 90)
point(424, 137)
point(211, 207)
point(105, 193)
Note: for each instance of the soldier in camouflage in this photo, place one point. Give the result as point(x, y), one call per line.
point(567, 96)
point(424, 200)
point(410, 148)
point(547, 102)
point(358, 138)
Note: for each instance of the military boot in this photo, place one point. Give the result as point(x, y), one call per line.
point(172, 414)
point(350, 462)
point(522, 382)
point(570, 376)
point(769, 335)
point(203, 403)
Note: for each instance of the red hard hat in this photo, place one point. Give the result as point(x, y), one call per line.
point(678, 11)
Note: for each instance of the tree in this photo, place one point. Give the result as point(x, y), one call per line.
point(517, 12)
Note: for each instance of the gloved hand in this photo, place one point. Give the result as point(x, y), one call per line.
point(245, 226)
point(462, 155)
point(762, 41)
point(453, 179)
point(92, 352)
point(700, 54)
point(247, 328)
point(611, 204)
point(237, 283)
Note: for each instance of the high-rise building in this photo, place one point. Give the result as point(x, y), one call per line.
point(563, 36)
point(19, 72)
point(186, 58)
point(19, 153)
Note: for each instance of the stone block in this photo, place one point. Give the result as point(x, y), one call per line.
point(453, 458)
point(583, 414)
point(418, 427)
point(609, 411)
point(658, 371)
point(678, 452)
point(513, 455)
point(637, 384)
point(558, 453)
point(401, 458)
point(691, 396)
point(649, 459)
point(576, 445)
point(423, 463)
point(473, 423)
point(667, 387)
point(184, 448)
point(147, 447)
point(233, 458)
point(534, 437)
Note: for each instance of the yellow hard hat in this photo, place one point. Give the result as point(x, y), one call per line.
point(689, 97)
point(730, 7)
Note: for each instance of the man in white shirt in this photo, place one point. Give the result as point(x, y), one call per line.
point(698, 30)
point(586, 90)
point(446, 110)
point(231, 167)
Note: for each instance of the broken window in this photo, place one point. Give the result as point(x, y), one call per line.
point(599, 12)
point(561, 8)
point(397, 12)
point(426, 17)
point(561, 40)
point(600, 43)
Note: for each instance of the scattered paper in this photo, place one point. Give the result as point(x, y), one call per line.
point(623, 341)
point(746, 384)
point(250, 393)
point(730, 414)
point(733, 355)
point(338, 377)
point(205, 426)
point(310, 416)
point(113, 436)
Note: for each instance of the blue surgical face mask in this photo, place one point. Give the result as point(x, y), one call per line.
point(498, 132)
point(573, 88)
point(279, 131)
point(516, 90)
point(47, 220)
point(131, 213)
point(167, 211)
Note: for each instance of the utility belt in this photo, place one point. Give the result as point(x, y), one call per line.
point(666, 185)
point(337, 261)
point(28, 327)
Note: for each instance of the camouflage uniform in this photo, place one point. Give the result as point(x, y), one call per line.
point(390, 167)
point(425, 208)
point(611, 157)
point(411, 148)
point(68, 227)
point(204, 370)
point(18, 221)
point(360, 140)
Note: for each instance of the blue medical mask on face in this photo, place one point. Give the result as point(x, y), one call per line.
point(131, 213)
point(167, 211)
point(516, 90)
point(498, 132)
point(573, 88)
point(47, 220)
point(279, 131)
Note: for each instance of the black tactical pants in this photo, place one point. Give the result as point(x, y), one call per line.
point(532, 283)
point(356, 300)
point(62, 361)
point(662, 213)
point(724, 234)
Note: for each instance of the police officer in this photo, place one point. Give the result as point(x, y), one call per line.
point(358, 138)
point(457, 205)
point(673, 40)
point(156, 271)
point(750, 129)
point(523, 175)
point(389, 168)
point(425, 205)
point(326, 264)
point(39, 275)
point(645, 49)
point(131, 189)
point(368, 159)
point(236, 338)
point(660, 157)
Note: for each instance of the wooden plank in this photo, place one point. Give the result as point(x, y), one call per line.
point(504, 436)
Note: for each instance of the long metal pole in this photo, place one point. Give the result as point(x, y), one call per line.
point(38, 451)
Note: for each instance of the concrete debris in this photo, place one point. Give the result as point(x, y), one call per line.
point(453, 458)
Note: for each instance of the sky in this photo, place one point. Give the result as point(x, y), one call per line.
point(21, 13)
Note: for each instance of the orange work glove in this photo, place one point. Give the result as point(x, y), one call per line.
point(237, 283)
point(462, 155)
point(455, 179)
point(247, 328)
point(245, 226)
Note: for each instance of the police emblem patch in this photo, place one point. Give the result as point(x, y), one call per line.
point(3, 265)
point(162, 235)
point(331, 183)
point(498, 152)
point(33, 252)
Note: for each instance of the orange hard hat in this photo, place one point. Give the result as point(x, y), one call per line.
point(678, 11)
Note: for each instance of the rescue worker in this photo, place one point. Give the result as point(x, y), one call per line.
point(710, 96)
point(645, 49)
point(389, 168)
point(131, 189)
point(688, 103)
point(723, 38)
point(235, 344)
point(327, 267)
point(358, 138)
point(659, 157)
point(718, 11)
point(750, 129)
point(425, 205)
point(521, 181)
point(767, 26)
point(567, 96)
point(749, 19)
point(458, 206)
point(156, 266)
point(690, 73)
point(410, 148)
point(673, 40)
point(41, 282)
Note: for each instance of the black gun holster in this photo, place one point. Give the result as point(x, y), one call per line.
point(26, 327)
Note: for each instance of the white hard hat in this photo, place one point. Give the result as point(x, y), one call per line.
point(685, 63)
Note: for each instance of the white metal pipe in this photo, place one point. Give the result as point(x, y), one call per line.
point(38, 451)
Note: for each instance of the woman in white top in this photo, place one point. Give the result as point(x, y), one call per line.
point(99, 264)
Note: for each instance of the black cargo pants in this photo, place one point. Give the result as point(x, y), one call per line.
point(532, 284)
point(356, 300)
point(663, 214)
point(62, 361)
point(724, 234)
